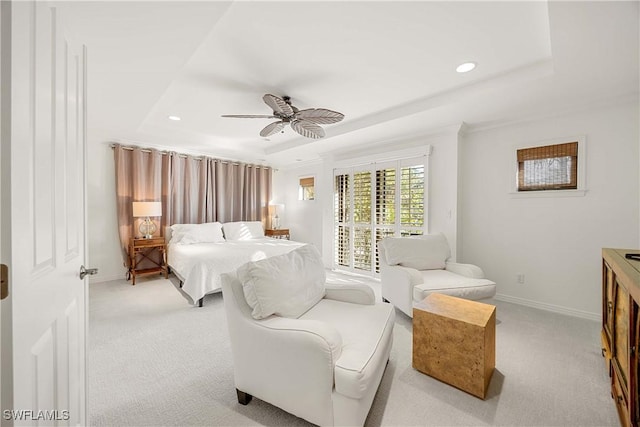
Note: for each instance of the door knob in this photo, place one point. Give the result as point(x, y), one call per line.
point(87, 272)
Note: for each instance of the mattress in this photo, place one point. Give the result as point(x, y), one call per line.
point(200, 265)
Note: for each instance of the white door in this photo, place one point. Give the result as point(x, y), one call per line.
point(47, 218)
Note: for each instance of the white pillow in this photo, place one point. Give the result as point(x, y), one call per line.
point(186, 234)
point(285, 285)
point(428, 252)
point(243, 230)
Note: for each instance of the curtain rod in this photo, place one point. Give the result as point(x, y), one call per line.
point(184, 156)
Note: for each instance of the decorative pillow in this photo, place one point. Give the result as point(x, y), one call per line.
point(428, 252)
point(285, 285)
point(186, 234)
point(243, 230)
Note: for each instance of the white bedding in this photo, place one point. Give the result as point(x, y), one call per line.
point(200, 265)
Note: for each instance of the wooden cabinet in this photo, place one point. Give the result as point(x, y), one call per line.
point(621, 330)
point(152, 252)
point(277, 233)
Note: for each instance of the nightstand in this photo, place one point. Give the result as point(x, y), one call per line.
point(277, 233)
point(141, 249)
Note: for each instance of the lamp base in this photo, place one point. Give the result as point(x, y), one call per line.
point(147, 228)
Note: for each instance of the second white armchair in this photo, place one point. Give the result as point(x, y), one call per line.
point(413, 267)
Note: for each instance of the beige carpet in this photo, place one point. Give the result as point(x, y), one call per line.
point(156, 360)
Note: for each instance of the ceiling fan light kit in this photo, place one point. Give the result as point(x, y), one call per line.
point(305, 122)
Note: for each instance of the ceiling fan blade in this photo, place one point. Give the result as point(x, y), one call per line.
point(307, 129)
point(320, 116)
point(249, 116)
point(272, 128)
point(278, 105)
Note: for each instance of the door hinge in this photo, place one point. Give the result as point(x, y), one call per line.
point(4, 281)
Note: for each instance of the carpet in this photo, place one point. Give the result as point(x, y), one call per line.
point(155, 360)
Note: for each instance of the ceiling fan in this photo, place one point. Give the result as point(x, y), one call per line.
point(305, 122)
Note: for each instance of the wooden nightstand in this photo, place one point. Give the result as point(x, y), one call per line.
point(277, 233)
point(140, 249)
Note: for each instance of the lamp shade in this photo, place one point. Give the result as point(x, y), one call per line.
point(147, 209)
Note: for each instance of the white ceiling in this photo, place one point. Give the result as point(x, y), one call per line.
point(389, 67)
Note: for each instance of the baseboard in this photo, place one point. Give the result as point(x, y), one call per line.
point(550, 307)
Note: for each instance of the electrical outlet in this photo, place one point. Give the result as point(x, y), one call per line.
point(520, 278)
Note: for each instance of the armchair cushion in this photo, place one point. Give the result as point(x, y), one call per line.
point(285, 285)
point(366, 332)
point(449, 283)
point(422, 253)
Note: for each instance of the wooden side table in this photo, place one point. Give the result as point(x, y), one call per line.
point(140, 249)
point(277, 233)
point(454, 341)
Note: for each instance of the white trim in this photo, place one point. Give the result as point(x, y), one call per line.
point(547, 193)
point(555, 113)
point(582, 175)
point(550, 307)
point(387, 156)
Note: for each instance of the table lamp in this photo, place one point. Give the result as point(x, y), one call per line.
point(275, 219)
point(147, 210)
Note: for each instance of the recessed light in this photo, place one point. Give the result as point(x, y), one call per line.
point(466, 67)
point(176, 118)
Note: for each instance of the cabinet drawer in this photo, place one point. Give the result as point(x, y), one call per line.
point(621, 402)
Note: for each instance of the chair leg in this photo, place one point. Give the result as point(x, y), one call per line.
point(243, 398)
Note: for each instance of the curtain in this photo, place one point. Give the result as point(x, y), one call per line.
point(138, 179)
point(192, 190)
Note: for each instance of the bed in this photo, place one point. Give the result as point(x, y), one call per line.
point(201, 254)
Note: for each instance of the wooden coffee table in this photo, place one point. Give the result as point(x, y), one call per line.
point(454, 342)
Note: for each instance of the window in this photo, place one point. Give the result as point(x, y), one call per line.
point(306, 190)
point(373, 202)
point(549, 167)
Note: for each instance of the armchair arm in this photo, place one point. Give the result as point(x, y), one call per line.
point(397, 283)
point(355, 293)
point(402, 274)
point(277, 358)
point(468, 270)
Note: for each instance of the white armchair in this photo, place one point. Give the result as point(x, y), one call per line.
point(412, 268)
point(325, 365)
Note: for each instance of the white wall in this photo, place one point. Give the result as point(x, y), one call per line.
point(443, 188)
point(104, 243)
point(555, 242)
point(303, 218)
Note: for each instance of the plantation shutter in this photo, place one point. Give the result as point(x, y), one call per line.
point(412, 215)
point(374, 202)
point(385, 207)
point(342, 202)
